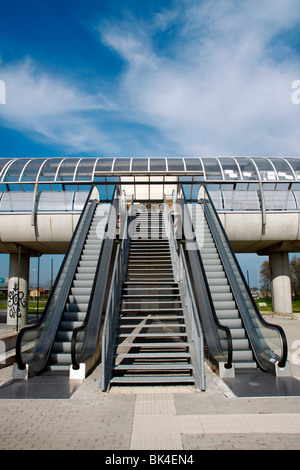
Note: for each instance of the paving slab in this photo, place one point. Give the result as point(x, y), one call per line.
point(174, 418)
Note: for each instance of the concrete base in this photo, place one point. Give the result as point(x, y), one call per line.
point(226, 373)
point(77, 374)
point(281, 282)
point(283, 371)
point(19, 374)
point(17, 296)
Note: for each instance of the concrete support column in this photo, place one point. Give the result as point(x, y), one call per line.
point(17, 297)
point(280, 282)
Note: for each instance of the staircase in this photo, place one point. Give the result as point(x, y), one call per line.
point(224, 303)
point(151, 343)
point(78, 300)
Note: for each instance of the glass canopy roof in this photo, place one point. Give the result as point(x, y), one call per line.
point(207, 169)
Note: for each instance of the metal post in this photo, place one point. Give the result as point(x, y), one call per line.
point(18, 301)
point(51, 285)
point(38, 288)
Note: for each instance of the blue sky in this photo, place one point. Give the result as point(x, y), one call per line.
point(137, 77)
point(175, 77)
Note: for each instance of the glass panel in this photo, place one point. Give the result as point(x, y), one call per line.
point(32, 169)
point(212, 169)
point(193, 164)
point(230, 169)
point(279, 200)
point(3, 162)
point(297, 196)
point(216, 197)
point(283, 169)
point(266, 170)
point(85, 169)
point(104, 164)
point(55, 201)
point(15, 169)
point(80, 198)
point(122, 164)
point(247, 168)
point(66, 170)
point(48, 170)
point(157, 164)
point(175, 164)
point(241, 200)
point(139, 164)
point(17, 202)
point(295, 163)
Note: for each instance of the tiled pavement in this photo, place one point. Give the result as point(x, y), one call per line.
point(154, 418)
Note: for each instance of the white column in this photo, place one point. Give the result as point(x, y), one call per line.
point(17, 297)
point(280, 282)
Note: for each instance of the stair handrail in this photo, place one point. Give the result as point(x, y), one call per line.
point(265, 360)
point(170, 233)
point(194, 323)
point(194, 329)
point(113, 304)
point(88, 332)
point(211, 325)
point(40, 335)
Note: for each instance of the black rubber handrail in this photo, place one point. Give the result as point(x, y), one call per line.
point(97, 295)
point(35, 326)
point(196, 259)
point(282, 361)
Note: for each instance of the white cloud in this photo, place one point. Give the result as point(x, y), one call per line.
point(222, 89)
point(200, 78)
point(52, 110)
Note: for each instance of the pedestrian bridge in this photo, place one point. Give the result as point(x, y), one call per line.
point(257, 200)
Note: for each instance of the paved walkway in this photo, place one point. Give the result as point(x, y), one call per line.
point(154, 418)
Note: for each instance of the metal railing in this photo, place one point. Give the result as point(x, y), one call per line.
point(195, 334)
point(112, 308)
point(193, 321)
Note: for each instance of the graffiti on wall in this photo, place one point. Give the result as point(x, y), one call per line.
point(15, 300)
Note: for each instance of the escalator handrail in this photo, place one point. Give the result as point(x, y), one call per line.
point(102, 264)
point(228, 364)
point(282, 361)
point(36, 325)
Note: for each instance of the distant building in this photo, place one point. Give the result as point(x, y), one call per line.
point(41, 293)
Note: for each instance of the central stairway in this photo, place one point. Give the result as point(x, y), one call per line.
point(151, 342)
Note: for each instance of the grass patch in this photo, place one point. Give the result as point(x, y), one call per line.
point(268, 308)
point(32, 306)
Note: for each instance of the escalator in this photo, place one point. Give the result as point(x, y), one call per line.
point(68, 331)
point(237, 337)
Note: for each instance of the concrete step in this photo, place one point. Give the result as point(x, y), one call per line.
point(164, 355)
point(153, 367)
point(151, 326)
point(152, 379)
point(153, 345)
point(152, 335)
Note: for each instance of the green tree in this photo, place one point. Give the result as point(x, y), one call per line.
point(295, 277)
point(265, 279)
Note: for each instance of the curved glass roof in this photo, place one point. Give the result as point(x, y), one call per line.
point(88, 170)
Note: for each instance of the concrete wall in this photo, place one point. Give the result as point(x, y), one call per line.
point(245, 231)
